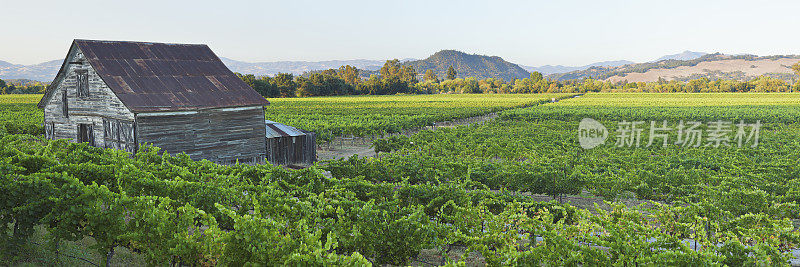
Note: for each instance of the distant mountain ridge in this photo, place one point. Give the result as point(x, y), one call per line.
point(556, 69)
point(45, 71)
point(711, 66)
point(297, 67)
point(5, 64)
point(469, 65)
point(551, 69)
point(685, 55)
point(682, 66)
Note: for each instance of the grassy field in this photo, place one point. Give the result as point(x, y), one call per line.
point(378, 115)
point(20, 99)
point(19, 114)
point(683, 99)
point(735, 107)
point(337, 116)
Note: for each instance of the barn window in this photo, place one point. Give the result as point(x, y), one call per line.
point(119, 134)
point(64, 106)
point(82, 83)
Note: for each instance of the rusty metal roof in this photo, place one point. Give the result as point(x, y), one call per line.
point(149, 77)
point(275, 129)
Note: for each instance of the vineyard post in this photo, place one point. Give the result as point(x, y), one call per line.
point(577, 158)
point(109, 255)
point(58, 255)
point(445, 254)
point(55, 242)
point(693, 228)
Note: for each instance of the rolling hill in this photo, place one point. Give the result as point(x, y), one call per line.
point(39, 72)
point(685, 55)
point(45, 72)
point(683, 66)
point(551, 69)
point(469, 65)
point(712, 66)
point(297, 67)
point(4, 64)
point(556, 69)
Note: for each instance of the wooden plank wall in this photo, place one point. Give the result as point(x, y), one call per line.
point(120, 135)
point(216, 135)
point(292, 151)
point(101, 104)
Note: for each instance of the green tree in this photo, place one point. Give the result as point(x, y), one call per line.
point(430, 76)
point(249, 79)
point(536, 76)
point(396, 78)
point(285, 83)
point(409, 75)
point(451, 73)
point(2, 83)
point(349, 74)
point(796, 69)
point(390, 69)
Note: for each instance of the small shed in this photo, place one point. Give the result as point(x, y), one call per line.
point(290, 146)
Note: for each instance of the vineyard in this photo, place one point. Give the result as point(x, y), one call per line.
point(19, 115)
point(362, 116)
point(330, 117)
point(686, 100)
point(468, 195)
point(730, 190)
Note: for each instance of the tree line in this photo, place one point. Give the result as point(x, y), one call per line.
point(10, 88)
point(395, 78)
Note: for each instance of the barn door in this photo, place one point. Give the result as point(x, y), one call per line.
point(50, 130)
point(86, 134)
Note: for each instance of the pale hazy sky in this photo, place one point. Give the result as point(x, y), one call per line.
point(525, 32)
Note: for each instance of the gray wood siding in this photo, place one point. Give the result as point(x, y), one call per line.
point(216, 135)
point(298, 151)
point(101, 103)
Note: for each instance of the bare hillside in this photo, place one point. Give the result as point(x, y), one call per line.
point(739, 69)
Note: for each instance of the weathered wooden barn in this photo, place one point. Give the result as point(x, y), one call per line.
point(179, 97)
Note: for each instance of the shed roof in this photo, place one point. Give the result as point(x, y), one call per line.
point(150, 77)
point(275, 129)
